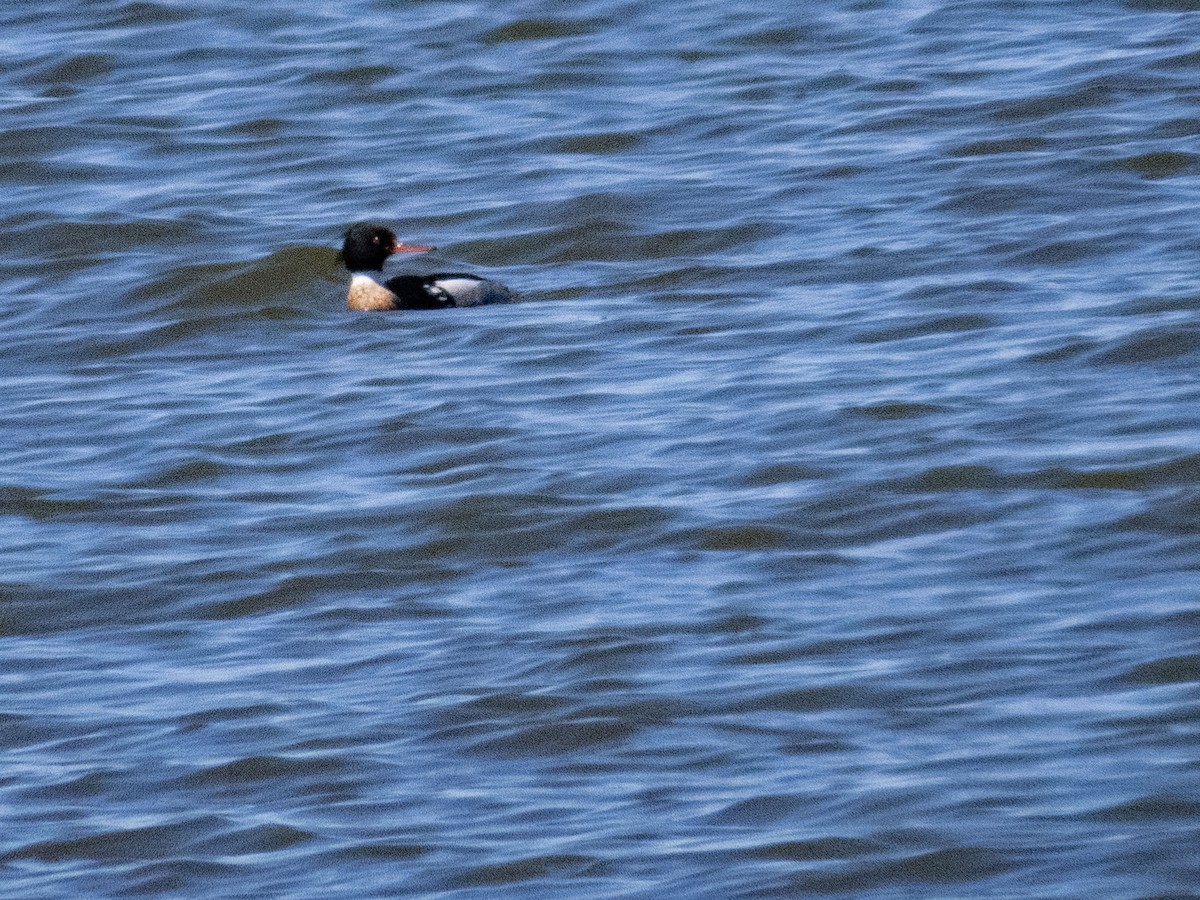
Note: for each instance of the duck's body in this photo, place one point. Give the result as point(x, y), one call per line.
point(439, 291)
point(368, 246)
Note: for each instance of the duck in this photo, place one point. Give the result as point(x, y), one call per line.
point(367, 246)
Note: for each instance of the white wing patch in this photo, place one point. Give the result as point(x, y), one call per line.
point(459, 288)
point(473, 291)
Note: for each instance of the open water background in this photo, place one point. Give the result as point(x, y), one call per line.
point(824, 522)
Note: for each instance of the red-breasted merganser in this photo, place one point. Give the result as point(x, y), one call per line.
point(367, 247)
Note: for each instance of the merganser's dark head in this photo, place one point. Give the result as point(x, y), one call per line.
point(368, 245)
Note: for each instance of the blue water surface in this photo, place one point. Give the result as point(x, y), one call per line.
point(823, 521)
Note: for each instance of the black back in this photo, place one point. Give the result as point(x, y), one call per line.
point(421, 291)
